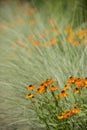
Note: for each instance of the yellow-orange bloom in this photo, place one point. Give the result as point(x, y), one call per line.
point(65, 115)
point(82, 33)
point(51, 21)
point(53, 41)
point(79, 82)
point(76, 90)
point(30, 87)
point(69, 113)
point(75, 42)
point(67, 86)
point(76, 110)
point(60, 116)
point(72, 80)
point(63, 94)
point(54, 88)
point(68, 29)
point(84, 41)
point(30, 96)
point(41, 90)
point(47, 82)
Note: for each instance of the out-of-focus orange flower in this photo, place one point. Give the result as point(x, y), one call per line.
point(68, 39)
point(53, 41)
point(84, 41)
point(68, 29)
point(54, 88)
point(22, 44)
point(75, 42)
point(30, 96)
point(82, 33)
point(32, 22)
point(30, 87)
point(31, 36)
point(36, 43)
point(63, 94)
point(51, 21)
point(72, 35)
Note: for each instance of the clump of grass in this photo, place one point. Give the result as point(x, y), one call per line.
point(33, 49)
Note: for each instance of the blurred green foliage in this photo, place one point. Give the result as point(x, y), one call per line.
point(77, 9)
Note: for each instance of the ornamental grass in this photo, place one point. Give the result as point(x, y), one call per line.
point(43, 65)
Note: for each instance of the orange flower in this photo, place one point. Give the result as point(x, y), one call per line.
point(79, 82)
point(66, 86)
point(75, 42)
point(68, 113)
point(41, 90)
point(53, 41)
point(31, 36)
point(68, 29)
point(54, 88)
point(76, 110)
point(71, 80)
point(76, 90)
point(84, 41)
point(32, 22)
point(31, 87)
point(63, 94)
point(72, 35)
point(36, 43)
point(51, 21)
point(65, 115)
point(61, 116)
point(82, 33)
point(49, 81)
point(70, 40)
point(29, 96)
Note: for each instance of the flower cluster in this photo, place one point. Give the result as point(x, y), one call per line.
point(80, 83)
point(49, 86)
point(69, 113)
